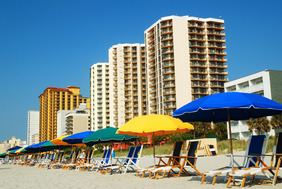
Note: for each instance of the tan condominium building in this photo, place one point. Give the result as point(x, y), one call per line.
point(127, 69)
point(51, 101)
point(78, 121)
point(99, 96)
point(185, 61)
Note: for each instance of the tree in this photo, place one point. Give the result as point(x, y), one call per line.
point(201, 128)
point(259, 124)
point(220, 130)
point(276, 121)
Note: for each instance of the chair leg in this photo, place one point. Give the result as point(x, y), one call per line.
point(276, 172)
point(203, 179)
point(137, 174)
point(229, 181)
point(243, 182)
point(214, 179)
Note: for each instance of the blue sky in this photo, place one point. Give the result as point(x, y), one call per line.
point(53, 43)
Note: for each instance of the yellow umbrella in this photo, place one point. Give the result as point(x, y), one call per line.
point(154, 125)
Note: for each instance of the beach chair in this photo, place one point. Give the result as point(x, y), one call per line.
point(84, 164)
point(252, 171)
point(188, 161)
point(164, 160)
point(124, 164)
point(257, 144)
point(277, 153)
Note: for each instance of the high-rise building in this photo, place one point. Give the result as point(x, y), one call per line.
point(127, 69)
point(185, 61)
point(52, 100)
point(32, 125)
point(266, 83)
point(99, 96)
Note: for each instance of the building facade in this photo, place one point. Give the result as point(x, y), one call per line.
point(99, 96)
point(51, 101)
point(185, 61)
point(10, 143)
point(78, 121)
point(127, 84)
point(32, 125)
point(266, 83)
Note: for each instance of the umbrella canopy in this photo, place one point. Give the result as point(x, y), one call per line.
point(12, 152)
point(51, 146)
point(21, 150)
point(14, 148)
point(242, 106)
point(3, 155)
point(154, 125)
point(107, 135)
point(77, 138)
point(35, 148)
point(228, 106)
point(59, 141)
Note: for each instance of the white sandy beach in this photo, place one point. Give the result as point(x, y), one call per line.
point(16, 176)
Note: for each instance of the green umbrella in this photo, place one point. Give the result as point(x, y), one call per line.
point(51, 146)
point(107, 135)
point(3, 155)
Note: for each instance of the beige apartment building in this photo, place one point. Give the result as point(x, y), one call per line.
point(99, 96)
point(78, 121)
point(185, 61)
point(127, 82)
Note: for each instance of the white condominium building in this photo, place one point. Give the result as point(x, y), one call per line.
point(266, 83)
point(185, 61)
point(32, 125)
point(99, 96)
point(127, 82)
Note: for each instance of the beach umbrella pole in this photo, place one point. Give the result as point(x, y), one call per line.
point(230, 140)
point(154, 149)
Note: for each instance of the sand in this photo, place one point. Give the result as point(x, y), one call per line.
point(16, 176)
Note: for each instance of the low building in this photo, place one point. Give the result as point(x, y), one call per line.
point(62, 125)
point(10, 143)
point(266, 83)
point(78, 121)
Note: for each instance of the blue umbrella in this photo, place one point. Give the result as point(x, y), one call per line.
point(241, 106)
point(35, 148)
point(77, 138)
point(14, 148)
point(221, 107)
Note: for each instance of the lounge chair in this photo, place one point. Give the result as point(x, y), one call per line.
point(104, 161)
point(129, 162)
point(188, 161)
point(256, 145)
point(165, 160)
point(252, 171)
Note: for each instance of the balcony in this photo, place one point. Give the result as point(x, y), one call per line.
point(200, 85)
point(166, 38)
point(199, 45)
point(217, 65)
point(219, 72)
point(165, 45)
point(168, 71)
point(198, 58)
point(218, 59)
point(215, 26)
point(198, 64)
point(216, 33)
point(214, 39)
point(195, 25)
point(199, 72)
point(219, 79)
point(198, 78)
point(166, 31)
point(197, 51)
point(197, 32)
point(216, 52)
point(167, 65)
point(210, 45)
point(197, 38)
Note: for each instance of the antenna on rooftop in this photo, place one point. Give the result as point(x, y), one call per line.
point(220, 17)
